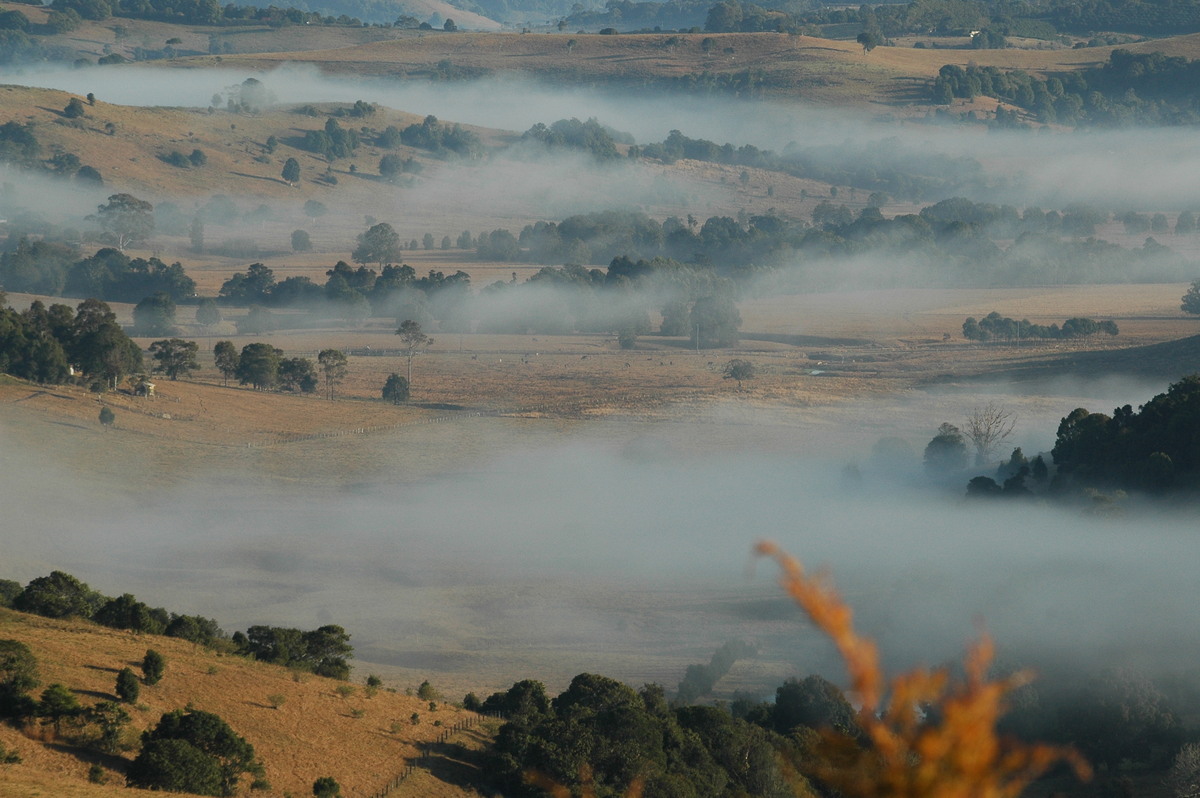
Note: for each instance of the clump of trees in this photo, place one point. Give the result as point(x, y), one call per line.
point(994, 327)
point(1155, 448)
point(442, 139)
point(592, 137)
point(192, 751)
point(333, 142)
point(621, 735)
point(54, 268)
point(1129, 88)
point(322, 651)
point(1190, 301)
point(38, 344)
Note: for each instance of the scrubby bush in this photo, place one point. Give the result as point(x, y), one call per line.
point(153, 667)
point(128, 688)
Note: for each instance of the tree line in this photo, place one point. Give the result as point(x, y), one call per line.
point(1131, 88)
point(602, 735)
point(1154, 449)
point(323, 651)
point(994, 327)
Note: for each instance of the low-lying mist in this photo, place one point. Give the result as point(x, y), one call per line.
point(624, 548)
point(1142, 167)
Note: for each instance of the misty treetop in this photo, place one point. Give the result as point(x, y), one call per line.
point(442, 139)
point(590, 136)
point(109, 274)
point(888, 166)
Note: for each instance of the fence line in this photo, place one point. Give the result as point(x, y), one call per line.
point(423, 759)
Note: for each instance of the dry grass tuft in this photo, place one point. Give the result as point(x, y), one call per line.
point(929, 736)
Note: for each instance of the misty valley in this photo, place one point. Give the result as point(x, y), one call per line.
point(430, 398)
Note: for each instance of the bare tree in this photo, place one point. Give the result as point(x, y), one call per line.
point(986, 427)
point(414, 339)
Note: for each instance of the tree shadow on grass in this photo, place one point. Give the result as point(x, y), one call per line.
point(97, 694)
point(112, 762)
point(105, 668)
point(452, 762)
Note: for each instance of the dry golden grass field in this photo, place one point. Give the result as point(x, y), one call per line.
point(305, 730)
point(798, 67)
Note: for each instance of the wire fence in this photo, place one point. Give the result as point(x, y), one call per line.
point(423, 760)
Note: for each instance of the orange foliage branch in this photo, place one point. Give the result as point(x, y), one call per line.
point(949, 749)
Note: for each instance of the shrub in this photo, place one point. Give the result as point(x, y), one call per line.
point(426, 692)
point(128, 686)
point(153, 666)
point(276, 700)
point(326, 787)
point(9, 757)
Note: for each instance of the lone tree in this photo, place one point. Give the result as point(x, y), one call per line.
point(107, 417)
point(395, 390)
point(207, 312)
point(126, 219)
point(947, 452)
point(333, 366)
point(57, 704)
point(154, 315)
point(258, 365)
point(738, 369)
point(175, 356)
point(301, 242)
point(74, 109)
point(291, 171)
point(154, 665)
point(128, 687)
point(986, 427)
point(869, 39)
point(1191, 300)
point(414, 339)
point(378, 244)
point(225, 355)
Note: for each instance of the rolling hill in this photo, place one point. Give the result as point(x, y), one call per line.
point(305, 730)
